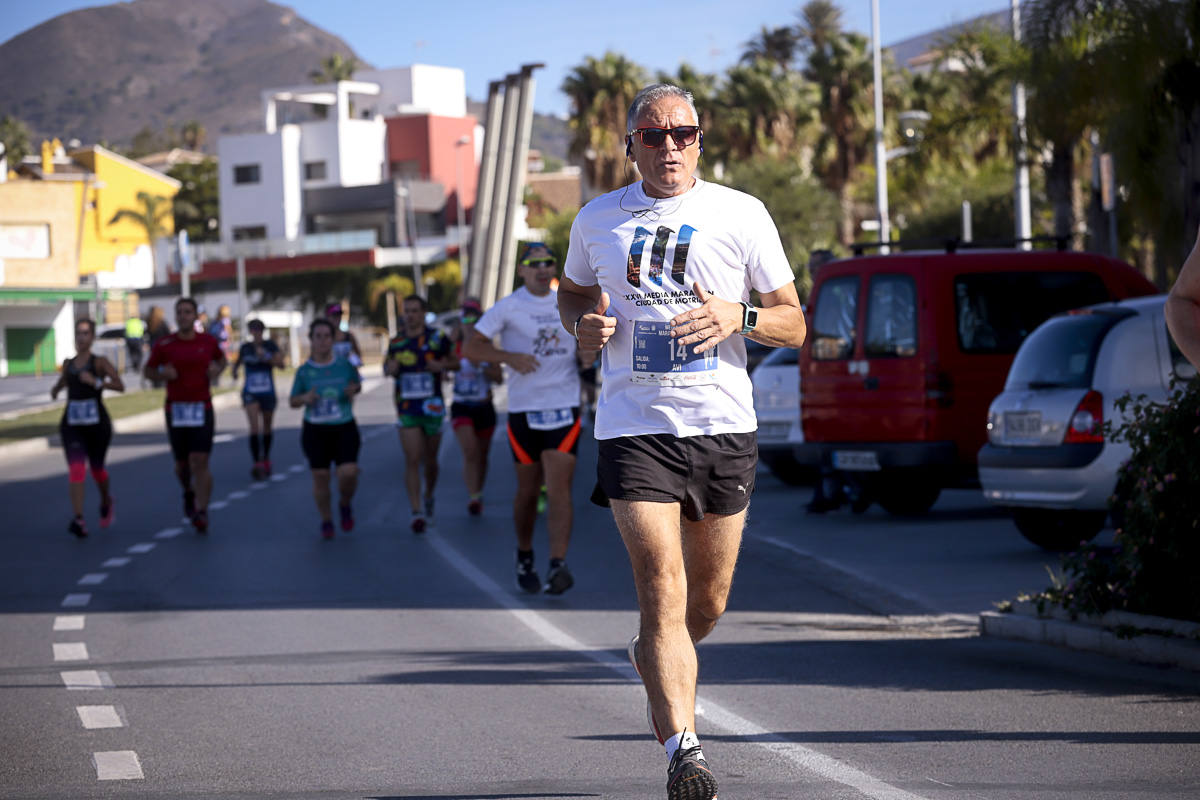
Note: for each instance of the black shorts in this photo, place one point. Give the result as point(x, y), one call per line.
point(266, 401)
point(528, 443)
point(705, 474)
point(323, 444)
point(185, 440)
point(480, 416)
point(86, 442)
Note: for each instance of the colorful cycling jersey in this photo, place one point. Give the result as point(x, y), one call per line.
point(330, 381)
point(419, 389)
point(471, 384)
point(259, 369)
point(191, 358)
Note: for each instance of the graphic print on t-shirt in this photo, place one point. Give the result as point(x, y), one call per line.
point(549, 342)
point(633, 270)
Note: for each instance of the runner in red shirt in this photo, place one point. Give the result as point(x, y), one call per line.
point(189, 362)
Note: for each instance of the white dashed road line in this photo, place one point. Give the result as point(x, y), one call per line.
point(86, 680)
point(76, 600)
point(222, 438)
point(70, 651)
point(93, 579)
point(279, 477)
point(238, 495)
point(116, 562)
point(69, 623)
point(258, 485)
point(296, 468)
point(144, 547)
point(168, 533)
point(94, 717)
point(117, 765)
point(217, 506)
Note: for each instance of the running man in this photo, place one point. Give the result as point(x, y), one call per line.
point(659, 275)
point(259, 357)
point(416, 358)
point(325, 386)
point(543, 410)
point(344, 344)
point(86, 429)
point(189, 361)
point(472, 413)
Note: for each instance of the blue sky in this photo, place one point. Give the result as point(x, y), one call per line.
point(489, 38)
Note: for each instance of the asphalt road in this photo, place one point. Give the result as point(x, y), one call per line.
point(263, 662)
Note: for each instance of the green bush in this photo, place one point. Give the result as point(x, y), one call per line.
point(1156, 506)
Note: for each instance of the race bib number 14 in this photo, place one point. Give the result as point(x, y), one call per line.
point(660, 360)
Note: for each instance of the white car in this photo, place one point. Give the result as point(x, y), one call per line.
point(1047, 458)
point(776, 382)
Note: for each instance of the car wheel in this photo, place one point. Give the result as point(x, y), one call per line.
point(905, 498)
point(785, 467)
point(1058, 531)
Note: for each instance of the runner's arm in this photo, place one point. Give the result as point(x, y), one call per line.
point(1183, 307)
point(60, 383)
point(109, 372)
point(582, 312)
point(493, 372)
point(780, 320)
point(481, 348)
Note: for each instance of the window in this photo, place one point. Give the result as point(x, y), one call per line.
point(1061, 354)
point(245, 173)
point(314, 170)
point(997, 310)
point(248, 232)
point(835, 319)
point(891, 317)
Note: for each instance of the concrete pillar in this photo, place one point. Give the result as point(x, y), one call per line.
point(504, 153)
point(516, 182)
point(486, 186)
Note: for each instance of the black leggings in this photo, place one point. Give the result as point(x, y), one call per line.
point(86, 442)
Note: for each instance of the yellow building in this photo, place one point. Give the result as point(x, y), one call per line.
point(56, 228)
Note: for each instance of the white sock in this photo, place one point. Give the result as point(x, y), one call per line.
point(681, 741)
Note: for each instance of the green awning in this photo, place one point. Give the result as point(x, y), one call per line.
point(46, 296)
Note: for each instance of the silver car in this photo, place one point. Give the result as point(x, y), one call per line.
point(776, 382)
point(1047, 458)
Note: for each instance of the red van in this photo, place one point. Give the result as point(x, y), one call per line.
point(905, 352)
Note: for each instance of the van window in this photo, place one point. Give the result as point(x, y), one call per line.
point(997, 310)
point(836, 318)
point(891, 317)
point(1061, 354)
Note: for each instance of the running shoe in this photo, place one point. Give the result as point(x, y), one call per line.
point(429, 507)
point(189, 503)
point(200, 521)
point(347, 515)
point(631, 651)
point(327, 529)
point(107, 515)
point(558, 580)
point(266, 465)
point(475, 506)
point(527, 577)
point(258, 471)
point(418, 522)
point(78, 528)
point(689, 778)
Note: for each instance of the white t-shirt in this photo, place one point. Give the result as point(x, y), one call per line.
point(530, 324)
point(646, 254)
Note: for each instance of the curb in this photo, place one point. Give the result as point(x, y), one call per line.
point(1092, 635)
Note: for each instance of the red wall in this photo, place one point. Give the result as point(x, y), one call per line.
point(430, 142)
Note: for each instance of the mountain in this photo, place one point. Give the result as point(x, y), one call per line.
point(548, 134)
point(104, 73)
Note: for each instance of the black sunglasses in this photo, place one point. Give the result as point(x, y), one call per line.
point(684, 135)
point(539, 262)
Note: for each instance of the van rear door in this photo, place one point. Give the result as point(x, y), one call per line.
point(829, 352)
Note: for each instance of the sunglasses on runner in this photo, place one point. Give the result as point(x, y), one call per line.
point(539, 262)
point(684, 135)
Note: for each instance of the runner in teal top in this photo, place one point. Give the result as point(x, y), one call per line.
point(325, 385)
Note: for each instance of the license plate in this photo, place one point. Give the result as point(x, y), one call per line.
point(773, 430)
point(856, 460)
point(1023, 424)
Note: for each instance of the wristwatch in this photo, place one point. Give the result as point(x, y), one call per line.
point(749, 318)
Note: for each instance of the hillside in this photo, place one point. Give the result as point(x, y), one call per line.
point(174, 62)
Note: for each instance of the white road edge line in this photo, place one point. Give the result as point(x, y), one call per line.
point(76, 600)
point(808, 760)
point(117, 765)
point(70, 651)
point(72, 622)
point(94, 717)
point(86, 680)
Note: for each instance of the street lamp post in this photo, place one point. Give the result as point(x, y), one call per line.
point(458, 202)
point(406, 192)
point(881, 188)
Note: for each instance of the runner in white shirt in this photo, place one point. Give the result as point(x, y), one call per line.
point(659, 275)
point(543, 409)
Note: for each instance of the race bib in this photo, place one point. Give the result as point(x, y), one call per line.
point(83, 412)
point(326, 409)
point(470, 388)
point(660, 360)
point(258, 382)
point(549, 420)
point(187, 415)
point(416, 385)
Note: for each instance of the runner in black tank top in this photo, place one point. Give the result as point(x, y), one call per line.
point(86, 429)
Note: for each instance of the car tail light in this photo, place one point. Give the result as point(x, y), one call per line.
point(1087, 422)
point(939, 389)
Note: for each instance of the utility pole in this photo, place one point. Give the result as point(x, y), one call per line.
point(1024, 225)
point(881, 187)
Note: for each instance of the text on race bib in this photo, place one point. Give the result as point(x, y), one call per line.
point(470, 387)
point(660, 360)
point(550, 420)
point(416, 385)
point(83, 412)
point(187, 415)
point(258, 382)
point(326, 409)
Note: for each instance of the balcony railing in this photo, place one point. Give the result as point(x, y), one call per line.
point(335, 242)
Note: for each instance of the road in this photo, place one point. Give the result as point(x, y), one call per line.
point(263, 662)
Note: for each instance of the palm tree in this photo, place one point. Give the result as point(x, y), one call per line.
point(332, 69)
point(601, 91)
point(776, 46)
point(819, 22)
point(151, 216)
point(764, 110)
point(15, 137)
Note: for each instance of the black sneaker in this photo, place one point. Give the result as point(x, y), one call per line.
point(558, 580)
point(78, 528)
point(200, 522)
point(689, 778)
point(189, 504)
point(527, 577)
